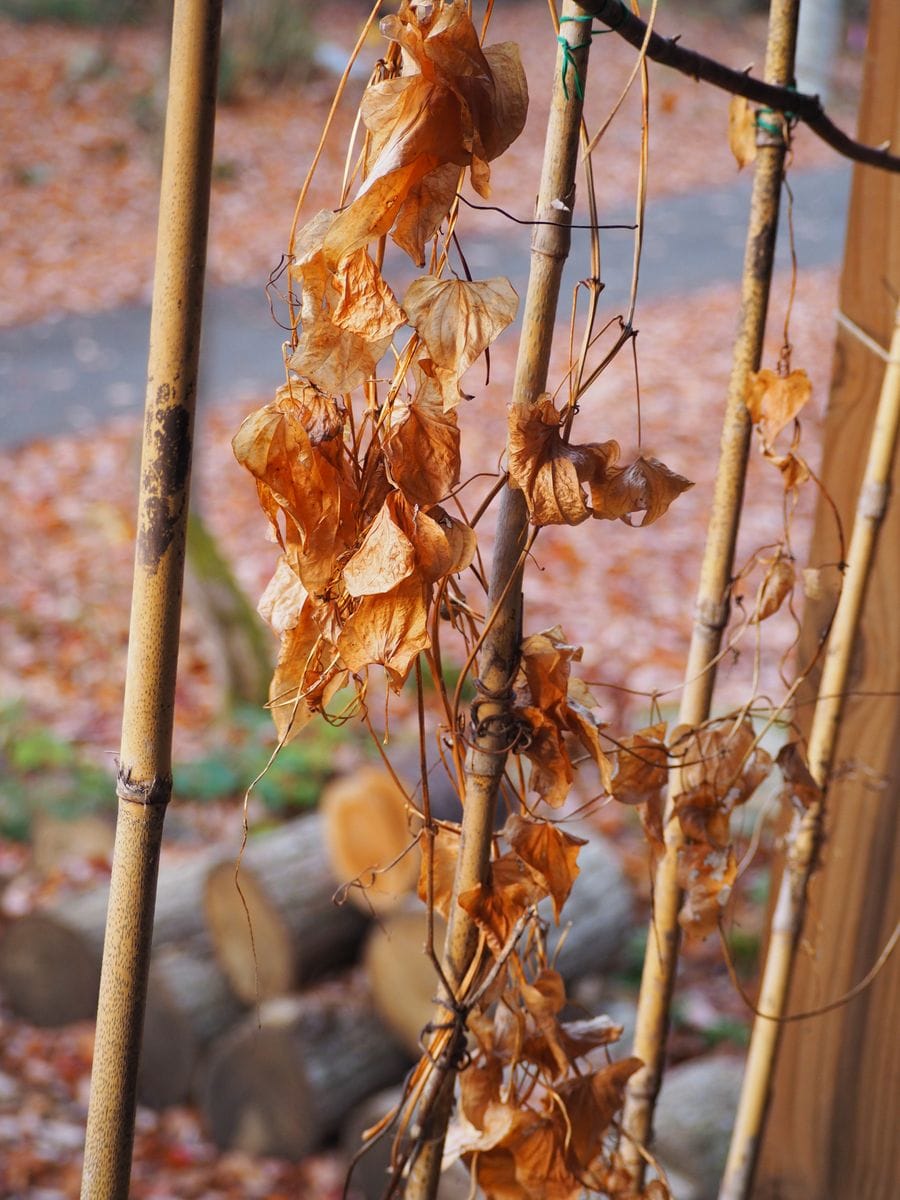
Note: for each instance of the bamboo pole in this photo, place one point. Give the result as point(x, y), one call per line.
point(804, 836)
point(500, 654)
point(145, 777)
point(712, 606)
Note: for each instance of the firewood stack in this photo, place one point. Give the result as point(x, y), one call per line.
point(290, 982)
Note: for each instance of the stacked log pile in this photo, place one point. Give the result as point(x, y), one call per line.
point(276, 1008)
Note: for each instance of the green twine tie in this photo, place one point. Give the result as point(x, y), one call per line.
point(568, 59)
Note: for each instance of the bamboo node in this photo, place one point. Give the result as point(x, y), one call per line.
point(712, 614)
point(146, 792)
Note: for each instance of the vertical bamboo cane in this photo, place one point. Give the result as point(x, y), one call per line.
point(803, 838)
point(145, 779)
point(499, 658)
point(711, 613)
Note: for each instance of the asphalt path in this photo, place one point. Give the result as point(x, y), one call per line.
point(69, 374)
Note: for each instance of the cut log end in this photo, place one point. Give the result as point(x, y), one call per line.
point(253, 943)
point(49, 972)
point(284, 1087)
point(369, 834)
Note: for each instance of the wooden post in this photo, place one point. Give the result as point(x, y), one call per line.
point(831, 1123)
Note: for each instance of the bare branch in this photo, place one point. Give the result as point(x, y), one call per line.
point(799, 105)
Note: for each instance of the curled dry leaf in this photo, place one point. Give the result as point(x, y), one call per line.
point(646, 486)
point(550, 472)
point(706, 874)
point(774, 400)
point(348, 313)
point(443, 871)
point(390, 628)
point(422, 448)
point(456, 321)
point(455, 106)
point(775, 588)
point(551, 704)
point(549, 852)
point(799, 784)
point(641, 765)
point(497, 905)
point(307, 481)
point(283, 598)
point(742, 131)
point(307, 675)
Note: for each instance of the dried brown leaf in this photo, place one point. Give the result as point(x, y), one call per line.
point(647, 486)
point(706, 874)
point(390, 629)
point(384, 559)
point(774, 400)
point(497, 905)
point(457, 320)
point(307, 675)
point(549, 852)
point(642, 766)
point(777, 585)
point(422, 448)
point(445, 856)
point(365, 305)
point(742, 131)
point(798, 779)
point(550, 472)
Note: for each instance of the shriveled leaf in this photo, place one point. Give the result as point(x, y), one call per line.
point(551, 768)
point(774, 400)
point(283, 598)
point(794, 469)
point(390, 629)
point(445, 856)
point(777, 585)
point(546, 660)
point(799, 783)
point(742, 131)
point(444, 545)
point(647, 486)
point(384, 559)
point(549, 852)
point(496, 906)
point(550, 472)
point(642, 765)
point(706, 874)
point(308, 268)
point(365, 305)
point(307, 675)
point(423, 209)
point(309, 482)
point(455, 106)
point(333, 358)
point(422, 448)
point(722, 759)
point(591, 1102)
point(457, 320)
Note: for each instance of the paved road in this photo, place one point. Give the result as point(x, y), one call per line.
point(72, 373)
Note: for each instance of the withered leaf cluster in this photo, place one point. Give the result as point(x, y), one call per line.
point(552, 473)
point(720, 766)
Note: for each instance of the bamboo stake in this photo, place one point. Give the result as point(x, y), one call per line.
point(145, 777)
point(712, 607)
point(804, 836)
point(499, 658)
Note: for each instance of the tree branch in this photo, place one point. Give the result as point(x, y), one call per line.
point(805, 108)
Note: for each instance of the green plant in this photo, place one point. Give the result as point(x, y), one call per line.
point(41, 772)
